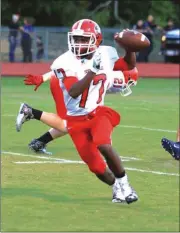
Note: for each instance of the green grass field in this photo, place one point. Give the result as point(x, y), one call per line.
point(46, 194)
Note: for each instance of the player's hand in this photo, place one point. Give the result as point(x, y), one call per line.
point(96, 62)
point(131, 76)
point(36, 80)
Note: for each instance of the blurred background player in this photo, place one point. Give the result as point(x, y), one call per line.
point(172, 147)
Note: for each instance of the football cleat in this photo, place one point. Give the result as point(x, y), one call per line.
point(24, 114)
point(38, 147)
point(128, 192)
point(117, 195)
point(172, 147)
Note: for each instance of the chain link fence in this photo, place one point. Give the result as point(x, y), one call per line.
point(55, 43)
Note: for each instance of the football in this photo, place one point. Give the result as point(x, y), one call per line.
point(132, 40)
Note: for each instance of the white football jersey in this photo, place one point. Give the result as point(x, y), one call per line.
point(93, 96)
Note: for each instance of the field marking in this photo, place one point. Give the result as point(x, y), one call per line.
point(49, 162)
point(125, 159)
point(153, 172)
point(8, 115)
point(146, 128)
point(64, 161)
point(80, 162)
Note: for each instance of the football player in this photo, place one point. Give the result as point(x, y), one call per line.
point(172, 147)
point(125, 64)
point(84, 74)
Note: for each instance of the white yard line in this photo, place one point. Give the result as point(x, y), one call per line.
point(65, 161)
point(146, 128)
point(153, 172)
point(8, 115)
point(49, 162)
point(80, 162)
point(126, 159)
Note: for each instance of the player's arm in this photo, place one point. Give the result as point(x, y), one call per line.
point(128, 62)
point(37, 80)
point(124, 80)
point(79, 86)
point(130, 59)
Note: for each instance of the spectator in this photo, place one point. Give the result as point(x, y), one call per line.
point(26, 40)
point(40, 48)
point(12, 37)
point(149, 27)
point(170, 25)
point(139, 26)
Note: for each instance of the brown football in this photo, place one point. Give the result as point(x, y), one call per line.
point(132, 40)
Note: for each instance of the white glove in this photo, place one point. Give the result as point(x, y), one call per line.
point(96, 61)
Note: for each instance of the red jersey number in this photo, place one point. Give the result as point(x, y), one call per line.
point(98, 78)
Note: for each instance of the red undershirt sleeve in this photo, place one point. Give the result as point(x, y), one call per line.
point(120, 64)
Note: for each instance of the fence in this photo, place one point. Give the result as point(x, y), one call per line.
point(55, 43)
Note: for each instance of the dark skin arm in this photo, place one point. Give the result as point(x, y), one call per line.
point(78, 88)
point(130, 59)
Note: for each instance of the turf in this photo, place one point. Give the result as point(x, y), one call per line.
point(67, 197)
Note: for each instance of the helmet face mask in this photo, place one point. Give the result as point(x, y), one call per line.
point(126, 89)
point(81, 45)
point(84, 37)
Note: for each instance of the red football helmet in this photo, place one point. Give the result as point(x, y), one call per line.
point(85, 37)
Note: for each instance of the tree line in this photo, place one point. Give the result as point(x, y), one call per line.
point(106, 13)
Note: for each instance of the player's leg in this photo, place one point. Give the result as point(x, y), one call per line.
point(38, 145)
point(27, 113)
point(103, 141)
point(91, 156)
point(172, 147)
point(94, 160)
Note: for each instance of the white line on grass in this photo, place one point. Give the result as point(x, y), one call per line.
point(80, 162)
point(8, 115)
point(145, 128)
point(64, 161)
point(153, 172)
point(56, 161)
point(126, 159)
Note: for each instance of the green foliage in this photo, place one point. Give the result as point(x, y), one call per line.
point(102, 17)
point(64, 13)
point(161, 10)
